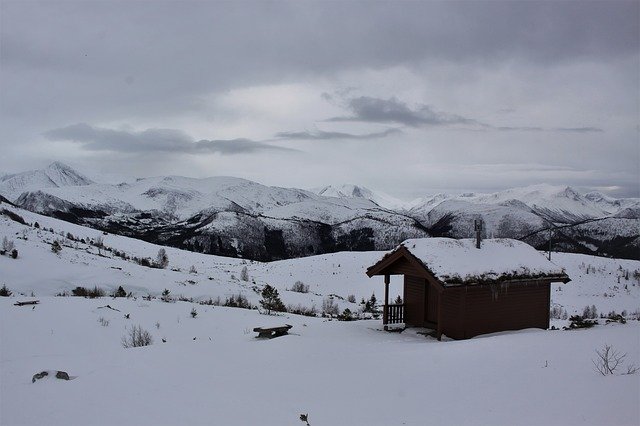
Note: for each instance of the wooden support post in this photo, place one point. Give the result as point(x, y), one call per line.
point(439, 326)
point(385, 310)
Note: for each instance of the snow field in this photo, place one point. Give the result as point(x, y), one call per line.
point(337, 372)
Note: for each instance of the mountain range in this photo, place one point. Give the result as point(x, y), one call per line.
point(240, 218)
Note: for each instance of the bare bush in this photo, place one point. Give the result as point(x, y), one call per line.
point(329, 307)
point(7, 245)
point(162, 260)
point(193, 270)
point(609, 360)
point(244, 274)
point(103, 322)
point(557, 312)
point(590, 312)
point(136, 337)
point(300, 287)
point(351, 298)
point(302, 310)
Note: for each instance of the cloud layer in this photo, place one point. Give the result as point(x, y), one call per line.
point(414, 85)
point(153, 140)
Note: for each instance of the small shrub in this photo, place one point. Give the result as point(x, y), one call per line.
point(329, 307)
point(302, 310)
point(346, 315)
point(103, 322)
point(5, 292)
point(557, 312)
point(90, 293)
point(7, 244)
point(300, 287)
point(145, 261)
point(165, 295)
point(351, 298)
point(238, 301)
point(14, 253)
point(244, 274)
point(193, 313)
point(120, 292)
point(79, 292)
point(590, 312)
point(136, 337)
point(162, 260)
point(193, 270)
point(211, 302)
point(579, 322)
point(96, 292)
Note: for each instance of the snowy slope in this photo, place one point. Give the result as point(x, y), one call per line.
point(211, 369)
point(53, 176)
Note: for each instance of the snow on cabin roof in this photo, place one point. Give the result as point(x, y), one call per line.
point(460, 262)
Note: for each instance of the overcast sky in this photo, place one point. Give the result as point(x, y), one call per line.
point(410, 98)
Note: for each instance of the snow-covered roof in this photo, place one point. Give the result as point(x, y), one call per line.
point(459, 261)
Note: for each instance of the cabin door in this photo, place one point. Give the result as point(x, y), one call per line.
point(430, 304)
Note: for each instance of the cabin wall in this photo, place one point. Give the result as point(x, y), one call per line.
point(414, 300)
point(483, 309)
point(452, 316)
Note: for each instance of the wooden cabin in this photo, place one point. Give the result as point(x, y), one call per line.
point(461, 291)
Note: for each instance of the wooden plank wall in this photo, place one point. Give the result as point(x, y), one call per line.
point(414, 294)
point(472, 310)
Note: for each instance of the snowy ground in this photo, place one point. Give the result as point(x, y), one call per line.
point(212, 370)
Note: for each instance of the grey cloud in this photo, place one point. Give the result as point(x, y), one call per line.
point(579, 129)
point(152, 140)
point(237, 146)
point(376, 110)
point(552, 129)
point(322, 135)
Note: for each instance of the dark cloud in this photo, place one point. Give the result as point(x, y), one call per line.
point(152, 140)
point(376, 110)
point(322, 135)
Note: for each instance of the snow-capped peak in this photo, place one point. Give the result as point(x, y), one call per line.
point(356, 191)
point(55, 175)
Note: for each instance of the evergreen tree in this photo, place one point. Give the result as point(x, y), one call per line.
point(55, 247)
point(271, 300)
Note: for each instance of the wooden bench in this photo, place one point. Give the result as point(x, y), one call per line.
point(272, 332)
point(31, 302)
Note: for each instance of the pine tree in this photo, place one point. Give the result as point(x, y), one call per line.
point(55, 247)
point(271, 300)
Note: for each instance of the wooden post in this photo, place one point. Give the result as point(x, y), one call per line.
point(439, 326)
point(385, 309)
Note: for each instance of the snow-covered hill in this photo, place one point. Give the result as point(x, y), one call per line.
point(236, 217)
point(213, 369)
